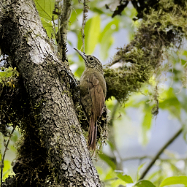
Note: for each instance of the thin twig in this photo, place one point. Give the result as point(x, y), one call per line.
point(160, 152)
point(137, 158)
point(85, 10)
point(64, 14)
point(6, 148)
point(151, 157)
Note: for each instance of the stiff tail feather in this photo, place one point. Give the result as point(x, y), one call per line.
point(92, 134)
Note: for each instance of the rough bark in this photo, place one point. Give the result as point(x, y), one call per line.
point(24, 39)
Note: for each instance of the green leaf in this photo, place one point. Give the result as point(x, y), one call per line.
point(172, 105)
point(111, 179)
point(92, 32)
point(109, 29)
point(6, 169)
point(118, 183)
point(125, 178)
point(79, 42)
point(79, 70)
point(45, 8)
point(8, 73)
point(110, 175)
point(139, 169)
point(98, 10)
point(146, 124)
point(144, 183)
point(48, 25)
point(174, 180)
point(15, 135)
point(105, 46)
point(183, 62)
point(74, 15)
point(170, 102)
point(154, 175)
point(184, 53)
point(106, 39)
point(108, 160)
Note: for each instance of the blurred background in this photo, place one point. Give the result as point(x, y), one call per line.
point(135, 135)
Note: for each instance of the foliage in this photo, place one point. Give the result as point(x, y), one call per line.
point(174, 180)
point(8, 76)
point(7, 170)
point(160, 29)
point(153, 38)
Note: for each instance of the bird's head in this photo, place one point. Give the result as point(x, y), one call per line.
point(91, 61)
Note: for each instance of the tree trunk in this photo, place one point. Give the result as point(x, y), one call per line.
point(44, 77)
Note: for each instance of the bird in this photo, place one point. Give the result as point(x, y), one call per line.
point(92, 94)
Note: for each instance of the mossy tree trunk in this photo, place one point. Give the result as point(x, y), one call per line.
point(52, 125)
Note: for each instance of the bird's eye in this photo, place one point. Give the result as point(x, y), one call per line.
point(91, 58)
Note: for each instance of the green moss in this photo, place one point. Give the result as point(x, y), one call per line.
point(122, 81)
point(8, 76)
point(160, 30)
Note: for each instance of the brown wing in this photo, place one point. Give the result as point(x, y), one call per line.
point(98, 99)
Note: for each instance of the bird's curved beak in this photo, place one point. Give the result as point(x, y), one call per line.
point(81, 54)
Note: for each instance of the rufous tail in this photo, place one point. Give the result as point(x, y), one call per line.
point(92, 134)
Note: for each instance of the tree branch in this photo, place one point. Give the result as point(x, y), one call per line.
point(160, 152)
point(122, 5)
point(140, 59)
point(85, 10)
point(62, 31)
